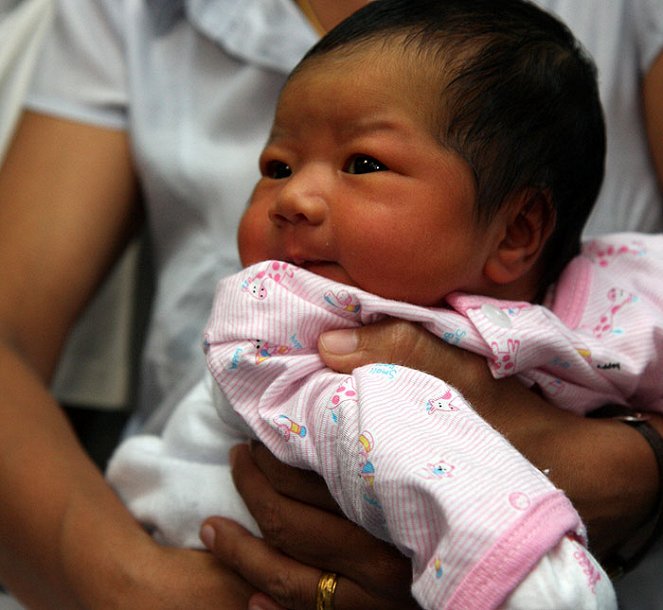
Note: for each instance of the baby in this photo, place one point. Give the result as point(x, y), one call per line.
point(433, 161)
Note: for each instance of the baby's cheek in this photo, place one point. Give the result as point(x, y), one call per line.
point(250, 239)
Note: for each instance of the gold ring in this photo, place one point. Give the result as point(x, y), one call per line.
point(324, 599)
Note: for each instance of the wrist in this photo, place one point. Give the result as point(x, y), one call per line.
point(592, 460)
point(599, 479)
point(628, 556)
point(97, 531)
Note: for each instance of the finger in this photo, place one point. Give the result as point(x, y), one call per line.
point(408, 344)
point(277, 515)
point(322, 539)
point(289, 583)
point(283, 579)
point(393, 341)
point(303, 485)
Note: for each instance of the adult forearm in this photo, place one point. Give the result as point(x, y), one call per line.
point(606, 468)
point(594, 461)
point(66, 540)
point(55, 502)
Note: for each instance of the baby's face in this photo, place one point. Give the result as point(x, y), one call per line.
point(355, 186)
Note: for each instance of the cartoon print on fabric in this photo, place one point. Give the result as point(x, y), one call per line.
point(366, 467)
point(514, 310)
point(233, 365)
point(585, 352)
point(265, 350)
point(448, 401)
point(504, 357)
point(554, 387)
point(440, 469)
point(618, 299)
point(436, 566)
point(367, 470)
point(256, 285)
point(604, 255)
point(345, 395)
point(343, 301)
point(581, 349)
point(289, 428)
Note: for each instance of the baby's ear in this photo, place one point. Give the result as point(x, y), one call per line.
point(526, 223)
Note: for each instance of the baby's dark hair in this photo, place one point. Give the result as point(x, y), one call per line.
point(518, 100)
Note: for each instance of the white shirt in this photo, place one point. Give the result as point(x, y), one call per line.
point(624, 37)
point(194, 82)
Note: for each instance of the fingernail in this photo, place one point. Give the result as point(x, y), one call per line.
point(208, 536)
point(339, 341)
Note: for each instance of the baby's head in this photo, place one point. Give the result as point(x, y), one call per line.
point(424, 147)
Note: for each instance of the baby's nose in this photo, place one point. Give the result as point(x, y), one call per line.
point(299, 202)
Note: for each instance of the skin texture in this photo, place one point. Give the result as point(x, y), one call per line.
point(348, 188)
point(57, 239)
point(588, 458)
point(67, 207)
point(306, 209)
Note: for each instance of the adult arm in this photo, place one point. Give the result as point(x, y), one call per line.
point(299, 534)
point(592, 460)
point(67, 207)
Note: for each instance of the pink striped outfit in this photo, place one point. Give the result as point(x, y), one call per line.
point(401, 451)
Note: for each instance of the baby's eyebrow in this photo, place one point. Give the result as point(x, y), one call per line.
point(347, 130)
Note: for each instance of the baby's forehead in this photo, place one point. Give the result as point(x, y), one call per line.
point(359, 77)
point(417, 79)
point(413, 70)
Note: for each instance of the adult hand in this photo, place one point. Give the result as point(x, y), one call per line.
point(592, 460)
point(300, 533)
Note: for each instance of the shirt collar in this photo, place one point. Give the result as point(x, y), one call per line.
point(273, 34)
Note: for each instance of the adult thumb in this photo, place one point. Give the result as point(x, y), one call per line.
point(388, 341)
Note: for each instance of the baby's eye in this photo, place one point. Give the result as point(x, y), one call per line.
point(364, 164)
point(277, 170)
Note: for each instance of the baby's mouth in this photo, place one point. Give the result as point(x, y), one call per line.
point(305, 263)
point(324, 268)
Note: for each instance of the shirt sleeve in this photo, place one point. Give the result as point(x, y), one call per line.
point(81, 73)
